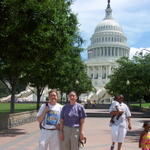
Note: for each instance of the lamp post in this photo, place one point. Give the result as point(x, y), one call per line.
point(77, 88)
point(128, 84)
point(77, 82)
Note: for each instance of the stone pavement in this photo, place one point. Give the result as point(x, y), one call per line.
point(97, 131)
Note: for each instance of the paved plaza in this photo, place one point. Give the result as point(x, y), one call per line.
point(97, 131)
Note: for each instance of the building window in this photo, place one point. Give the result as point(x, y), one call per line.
point(105, 51)
point(119, 51)
point(102, 51)
point(103, 72)
point(112, 51)
point(116, 52)
point(94, 52)
point(108, 51)
point(96, 76)
point(98, 52)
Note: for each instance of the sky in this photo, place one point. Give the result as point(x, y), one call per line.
point(132, 15)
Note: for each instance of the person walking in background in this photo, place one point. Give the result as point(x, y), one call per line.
point(114, 107)
point(71, 124)
point(120, 125)
point(144, 141)
point(49, 118)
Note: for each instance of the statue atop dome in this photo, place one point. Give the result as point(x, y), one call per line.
point(108, 10)
point(108, 6)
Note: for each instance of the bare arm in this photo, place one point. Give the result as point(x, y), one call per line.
point(129, 123)
point(140, 140)
point(116, 113)
point(61, 125)
point(61, 129)
point(81, 128)
point(41, 117)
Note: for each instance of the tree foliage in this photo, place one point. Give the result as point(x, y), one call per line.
point(35, 37)
point(31, 33)
point(71, 72)
point(3, 90)
point(137, 72)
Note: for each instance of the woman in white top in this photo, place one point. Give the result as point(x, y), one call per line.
point(49, 118)
point(121, 124)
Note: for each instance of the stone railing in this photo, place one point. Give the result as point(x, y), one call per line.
point(97, 106)
point(11, 120)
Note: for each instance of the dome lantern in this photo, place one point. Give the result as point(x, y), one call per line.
point(108, 11)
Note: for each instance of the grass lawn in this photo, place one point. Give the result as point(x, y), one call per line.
point(19, 107)
point(144, 105)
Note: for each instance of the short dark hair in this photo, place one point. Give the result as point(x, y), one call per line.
point(146, 123)
point(73, 92)
point(118, 96)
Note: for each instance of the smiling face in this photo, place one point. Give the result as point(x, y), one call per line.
point(72, 97)
point(53, 97)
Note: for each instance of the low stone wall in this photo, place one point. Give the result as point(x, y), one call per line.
point(138, 109)
point(97, 106)
point(11, 120)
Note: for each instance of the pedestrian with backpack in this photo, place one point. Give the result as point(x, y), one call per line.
point(49, 118)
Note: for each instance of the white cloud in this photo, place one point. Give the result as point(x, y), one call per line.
point(132, 15)
point(134, 51)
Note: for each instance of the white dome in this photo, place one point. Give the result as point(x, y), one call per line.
point(108, 43)
point(108, 40)
point(108, 24)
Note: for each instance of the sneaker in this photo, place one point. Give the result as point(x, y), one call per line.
point(112, 147)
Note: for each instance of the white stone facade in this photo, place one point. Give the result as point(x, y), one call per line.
point(108, 43)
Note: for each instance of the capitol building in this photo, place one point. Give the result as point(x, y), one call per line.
point(108, 43)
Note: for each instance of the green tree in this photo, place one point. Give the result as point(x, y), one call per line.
point(31, 32)
point(62, 33)
point(137, 72)
point(3, 90)
point(71, 73)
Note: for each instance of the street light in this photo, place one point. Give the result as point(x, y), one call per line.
point(128, 84)
point(77, 88)
point(77, 82)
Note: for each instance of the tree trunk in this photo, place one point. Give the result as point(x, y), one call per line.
point(140, 103)
point(38, 98)
point(12, 102)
